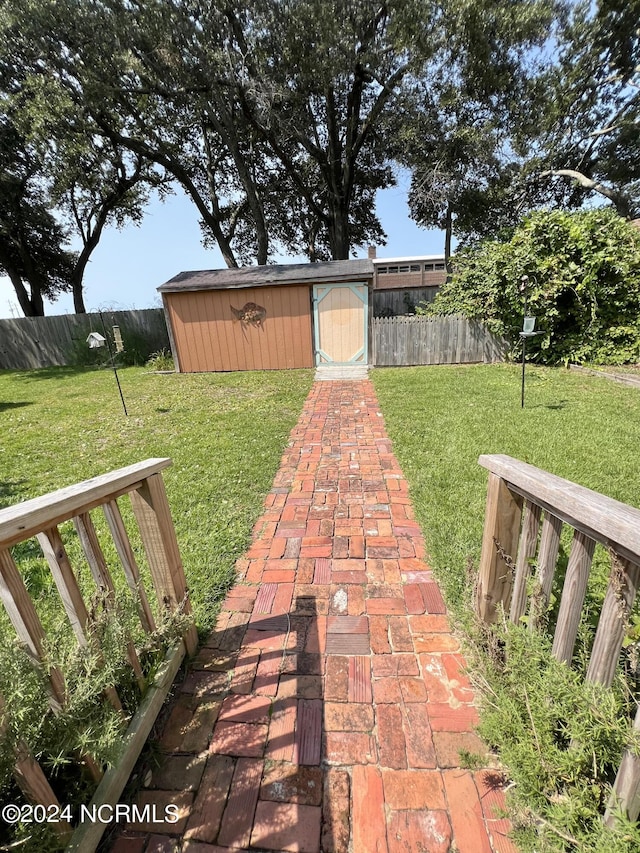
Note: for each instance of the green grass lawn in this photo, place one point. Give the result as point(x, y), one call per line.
point(587, 430)
point(224, 432)
point(441, 419)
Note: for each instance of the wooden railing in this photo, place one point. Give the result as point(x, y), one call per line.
point(520, 498)
point(40, 518)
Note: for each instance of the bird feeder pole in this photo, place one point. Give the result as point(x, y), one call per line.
point(113, 364)
point(524, 281)
point(528, 330)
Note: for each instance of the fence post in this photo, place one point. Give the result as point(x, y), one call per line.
point(500, 540)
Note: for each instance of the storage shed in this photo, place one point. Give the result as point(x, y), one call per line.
point(269, 317)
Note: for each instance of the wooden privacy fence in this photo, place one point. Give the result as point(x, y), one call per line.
point(444, 339)
point(27, 343)
point(41, 518)
point(519, 497)
point(389, 303)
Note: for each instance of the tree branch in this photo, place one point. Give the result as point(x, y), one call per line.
point(620, 199)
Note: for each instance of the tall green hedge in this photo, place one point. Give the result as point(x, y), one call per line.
point(584, 286)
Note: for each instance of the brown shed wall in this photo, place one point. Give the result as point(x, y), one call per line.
point(207, 339)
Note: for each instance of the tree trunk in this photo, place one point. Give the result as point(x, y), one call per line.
point(77, 274)
point(37, 302)
point(339, 232)
point(228, 133)
point(27, 304)
point(448, 232)
point(78, 297)
point(31, 305)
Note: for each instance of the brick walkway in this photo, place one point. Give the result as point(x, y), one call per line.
point(327, 709)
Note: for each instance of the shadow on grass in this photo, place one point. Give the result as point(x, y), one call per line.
point(49, 373)
point(7, 406)
point(554, 407)
point(9, 489)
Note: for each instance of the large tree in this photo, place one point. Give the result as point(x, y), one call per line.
point(256, 110)
point(62, 179)
point(320, 78)
point(467, 136)
point(32, 241)
point(590, 131)
point(282, 120)
point(275, 117)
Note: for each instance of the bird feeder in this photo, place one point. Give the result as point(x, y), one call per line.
point(96, 340)
point(117, 337)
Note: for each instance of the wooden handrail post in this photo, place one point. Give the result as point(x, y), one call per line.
point(93, 552)
point(526, 550)
point(501, 530)
point(100, 570)
point(626, 789)
point(36, 788)
point(547, 559)
point(573, 593)
point(32, 781)
point(65, 580)
point(26, 621)
point(153, 514)
point(129, 564)
point(621, 594)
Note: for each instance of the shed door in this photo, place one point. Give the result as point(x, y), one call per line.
point(340, 314)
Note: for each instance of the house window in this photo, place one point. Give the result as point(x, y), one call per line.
point(439, 267)
point(428, 267)
point(415, 267)
point(403, 269)
point(393, 270)
point(382, 270)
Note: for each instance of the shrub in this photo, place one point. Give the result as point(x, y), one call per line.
point(561, 737)
point(584, 286)
point(87, 724)
point(161, 360)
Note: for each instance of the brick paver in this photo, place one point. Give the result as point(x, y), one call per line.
point(327, 709)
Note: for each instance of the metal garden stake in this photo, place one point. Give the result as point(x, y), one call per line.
point(95, 340)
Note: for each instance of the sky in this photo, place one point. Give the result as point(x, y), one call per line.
point(128, 265)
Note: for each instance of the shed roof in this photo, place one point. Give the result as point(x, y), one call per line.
point(270, 274)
